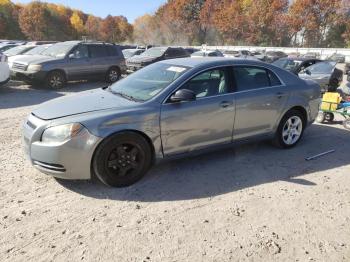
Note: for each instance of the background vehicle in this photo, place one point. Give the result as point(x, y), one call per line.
point(191, 50)
point(71, 60)
point(295, 65)
point(37, 50)
point(18, 50)
point(339, 58)
point(4, 70)
point(259, 55)
point(170, 108)
point(272, 56)
point(210, 53)
point(132, 52)
point(311, 55)
point(153, 55)
point(325, 74)
point(293, 55)
point(242, 54)
point(5, 47)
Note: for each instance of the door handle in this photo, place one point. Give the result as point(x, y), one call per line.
point(225, 104)
point(280, 94)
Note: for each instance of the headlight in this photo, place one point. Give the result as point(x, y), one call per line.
point(57, 134)
point(34, 68)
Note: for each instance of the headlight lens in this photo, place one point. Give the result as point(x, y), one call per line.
point(34, 68)
point(61, 133)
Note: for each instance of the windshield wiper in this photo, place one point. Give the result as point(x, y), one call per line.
point(125, 96)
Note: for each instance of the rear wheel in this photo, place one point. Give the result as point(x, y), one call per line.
point(113, 75)
point(55, 80)
point(122, 159)
point(320, 117)
point(329, 117)
point(290, 129)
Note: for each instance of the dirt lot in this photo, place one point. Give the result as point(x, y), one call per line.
point(250, 203)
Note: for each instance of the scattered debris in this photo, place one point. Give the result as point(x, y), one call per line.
point(319, 155)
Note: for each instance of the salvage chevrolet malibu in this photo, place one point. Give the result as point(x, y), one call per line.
point(170, 108)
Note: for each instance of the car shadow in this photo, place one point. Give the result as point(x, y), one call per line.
point(229, 170)
point(17, 94)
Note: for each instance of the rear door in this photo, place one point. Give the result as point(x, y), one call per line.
point(99, 60)
point(260, 97)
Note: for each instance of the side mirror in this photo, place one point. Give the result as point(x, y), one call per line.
point(307, 71)
point(183, 95)
point(71, 56)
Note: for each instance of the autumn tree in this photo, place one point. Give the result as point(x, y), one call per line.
point(77, 23)
point(9, 27)
point(34, 21)
point(115, 29)
point(92, 27)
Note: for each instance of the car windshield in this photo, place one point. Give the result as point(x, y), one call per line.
point(322, 68)
point(37, 50)
point(147, 82)
point(287, 63)
point(154, 51)
point(6, 47)
point(58, 50)
point(129, 52)
point(18, 50)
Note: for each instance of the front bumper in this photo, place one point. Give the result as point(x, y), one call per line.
point(28, 76)
point(68, 160)
point(131, 68)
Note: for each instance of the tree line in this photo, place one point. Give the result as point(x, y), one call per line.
point(306, 23)
point(46, 21)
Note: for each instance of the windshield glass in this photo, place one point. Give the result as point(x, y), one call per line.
point(58, 50)
point(154, 51)
point(322, 68)
point(147, 82)
point(37, 50)
point(17, 50)
point(287, 64)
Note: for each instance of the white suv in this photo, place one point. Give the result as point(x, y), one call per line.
point(4, 70)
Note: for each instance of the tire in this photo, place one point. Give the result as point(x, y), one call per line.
point(122, 159)
point(333, 85)
point(329, 117)
point(320, 117)
point(346, 124)
point(55, 80)
point(113, 75)
point(290, 130)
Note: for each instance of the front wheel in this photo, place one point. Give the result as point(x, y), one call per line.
point(55, 80)
point(290, 129)
point(122, 159)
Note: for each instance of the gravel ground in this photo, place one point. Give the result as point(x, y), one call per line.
point(250, 203)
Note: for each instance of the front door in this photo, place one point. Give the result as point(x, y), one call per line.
point(78, 65)
point(260, 97)
point(207, 121)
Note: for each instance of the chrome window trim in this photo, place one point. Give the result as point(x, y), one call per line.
point(233, 92)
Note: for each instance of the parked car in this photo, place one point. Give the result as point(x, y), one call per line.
point(239, 54)
point(4, 70)
point(272, 56)
point(6, 47)
point(153, 55)
point(37, 50)
point(41, 42)
point(191, 50)
point(71, 60)
point(171, 108)
point(347, 68)
point(311, 55)
point(295, 65)
point(259, 55)
point(210, 53)
point(293, 55)
point(132, 52)
point(18, 50)
point(336, 57)
point(325, 73)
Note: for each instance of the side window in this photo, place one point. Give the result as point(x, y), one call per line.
point(248, 78)
point(274, 79)
point(97, 51)
point(81, 51)
point(112, 50)
point(171, 52)
point(210, 83)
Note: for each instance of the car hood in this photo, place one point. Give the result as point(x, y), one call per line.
point(35, 59)
point(139, 59)
point(84, 102)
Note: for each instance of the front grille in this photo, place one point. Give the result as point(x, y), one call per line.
point(19, 66)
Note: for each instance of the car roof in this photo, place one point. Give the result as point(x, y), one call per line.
point(211, 61)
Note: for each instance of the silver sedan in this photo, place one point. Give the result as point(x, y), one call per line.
point(168, 109)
